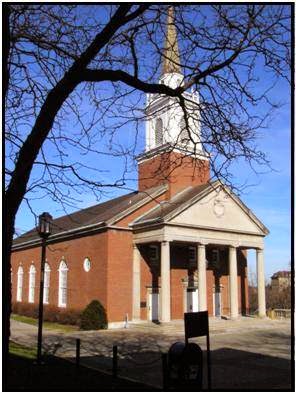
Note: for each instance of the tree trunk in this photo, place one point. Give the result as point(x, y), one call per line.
point(6, 292)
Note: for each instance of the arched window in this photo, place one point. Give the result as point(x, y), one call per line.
point(32, 280)
point(63, 273)
point(46, 283)
point(158, 132)
point(183, 131)
point(20, 276)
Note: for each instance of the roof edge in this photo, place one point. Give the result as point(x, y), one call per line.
point(147, 199)
point(63, 234)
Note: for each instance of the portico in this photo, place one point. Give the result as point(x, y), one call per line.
point(201, 269)
point(234, 242)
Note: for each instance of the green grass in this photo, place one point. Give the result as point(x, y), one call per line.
point(22, 351)
point(25, 319)
point(47, 325)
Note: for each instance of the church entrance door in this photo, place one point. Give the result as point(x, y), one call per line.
point(192, 299)
point(217, 303)
point(153, 305)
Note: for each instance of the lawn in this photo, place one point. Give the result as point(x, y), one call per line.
point(57, 374)
point(47, 325)
point(22, 351)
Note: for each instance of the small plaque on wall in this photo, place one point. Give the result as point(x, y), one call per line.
point(143, 304)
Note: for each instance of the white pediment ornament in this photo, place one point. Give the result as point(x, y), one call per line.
point(219, 208)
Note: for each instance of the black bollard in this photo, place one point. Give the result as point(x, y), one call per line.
point(77, 352)
point(209, 363)
point(115, 361)
point(164, 358)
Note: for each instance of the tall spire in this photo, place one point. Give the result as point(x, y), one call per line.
point(171, 57)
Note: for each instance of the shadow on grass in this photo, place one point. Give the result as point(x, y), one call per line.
point(61, 375)
point(140, 361)
point(231, 370)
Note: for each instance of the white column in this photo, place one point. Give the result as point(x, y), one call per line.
point(165, 282)
point(202, 278)
point(261, 283)
point(136, 283)
point(233, 283)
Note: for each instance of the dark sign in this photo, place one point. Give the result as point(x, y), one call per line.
point(143, 304)
point(196, 324)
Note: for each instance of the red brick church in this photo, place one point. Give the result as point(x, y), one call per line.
point(177, 244)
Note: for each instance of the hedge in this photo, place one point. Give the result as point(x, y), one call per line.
point(50, 313)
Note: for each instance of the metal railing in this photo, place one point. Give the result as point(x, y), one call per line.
point(279, 313)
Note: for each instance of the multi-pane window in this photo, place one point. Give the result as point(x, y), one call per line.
point(192, 254)
point(20, 276)
point(153, 252)
point(215, 256)
point(63, 273)
point(158, 132)
point(32, 280)
point(46, 283)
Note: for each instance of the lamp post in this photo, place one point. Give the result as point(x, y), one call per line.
point(44, 230)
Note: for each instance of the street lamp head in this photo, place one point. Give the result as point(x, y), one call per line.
point(45, 225)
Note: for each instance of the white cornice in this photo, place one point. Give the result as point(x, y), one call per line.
point(172, 148)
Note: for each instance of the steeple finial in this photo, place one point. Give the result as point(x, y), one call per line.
point(171, 60)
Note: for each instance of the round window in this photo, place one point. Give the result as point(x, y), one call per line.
point(86, 264)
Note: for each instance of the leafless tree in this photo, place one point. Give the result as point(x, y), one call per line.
point(279, 298)
point(75, 76)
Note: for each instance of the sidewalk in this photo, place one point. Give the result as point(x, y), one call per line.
point(247, 354)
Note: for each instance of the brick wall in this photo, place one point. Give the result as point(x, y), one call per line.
point(110, 277)
point(174, 169)
point(82, 286)
point(119, 275)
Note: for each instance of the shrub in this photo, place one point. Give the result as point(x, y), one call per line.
point(69, 316)
point(51, 313)
point(54, 314)
point(93, 317)
point(25, 309)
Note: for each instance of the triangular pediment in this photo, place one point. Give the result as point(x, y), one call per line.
point(218, 209)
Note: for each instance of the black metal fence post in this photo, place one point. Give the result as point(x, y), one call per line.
point(115, 361)
point(77, 352)
point(164, 358)
point(209, 363)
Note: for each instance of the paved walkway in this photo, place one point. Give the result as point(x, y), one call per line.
point(249, 353)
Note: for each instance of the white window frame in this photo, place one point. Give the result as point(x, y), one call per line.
point(63, 270)
point(20, 281)
point(32, 283)
point(46, 284)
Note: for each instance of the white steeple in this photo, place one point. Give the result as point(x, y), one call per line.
point(165, 125)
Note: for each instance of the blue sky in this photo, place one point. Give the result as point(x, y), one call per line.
point(268, 195)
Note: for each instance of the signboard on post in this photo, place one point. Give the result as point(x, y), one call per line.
point(197, 325)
